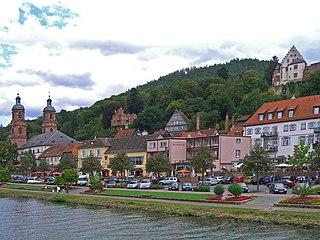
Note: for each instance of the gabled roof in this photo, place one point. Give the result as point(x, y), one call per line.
point(95, 143)
point(296, 61)
point(125, 133)
point(200, 133)
point(48, 139)
point(129, 144)
point(303, 109)
point(54, 151)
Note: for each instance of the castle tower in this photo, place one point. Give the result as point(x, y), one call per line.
point(49, 123)
point(18, 124)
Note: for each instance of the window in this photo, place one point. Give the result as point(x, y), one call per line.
point(20, 130)
point(295, 75)
point(207, 142)
point(84, 154)
point(152, 145)
point(257, 141)
point(215, 141)
point(19, 114)
point(257, 130)
point(191, 144)
point(249, 131)
point(285, 128)
point(303, 126)
point(292, 127)
point(270, 115)
point(280, 114)
point(295, 67)
point(215, 154)
point(311, 125)
point(302, 139)
point(98, 152)
point(136, 160)
point(91, 153)
point(238, 140)
point(163, 144)
point(237, 153)
point(261, 117)
point(274, 129)
point(311, 139)
point(285, 141)
point(316, 110)
point(290, 113)
point(266, 130)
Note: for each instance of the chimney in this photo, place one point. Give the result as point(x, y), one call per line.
point(198, 121)
point(233, 122)
point(227, 123)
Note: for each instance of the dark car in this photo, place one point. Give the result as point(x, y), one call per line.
point(225, 180)
point(18, 179)
point(287, 183)
point(254, 180)
point(186, 186)
point(277, 188)
point(111, 184)
point(174, 186)
point(50, 181)
point(269, 179)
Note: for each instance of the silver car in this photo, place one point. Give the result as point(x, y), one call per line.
point(145, 183)
point(133, 184)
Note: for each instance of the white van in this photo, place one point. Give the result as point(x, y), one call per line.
point(83, 180)
point(168, 181)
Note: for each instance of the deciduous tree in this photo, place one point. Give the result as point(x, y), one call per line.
point(202, 160)
point(158, 163)
point(121, 163)
point(91, 165)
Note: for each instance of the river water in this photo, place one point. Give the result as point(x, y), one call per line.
point(33, 219)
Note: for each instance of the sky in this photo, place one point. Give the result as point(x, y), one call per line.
point(83, 51)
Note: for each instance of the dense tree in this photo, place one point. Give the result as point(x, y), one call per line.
point(223, 72)
point(250, 102)
point(66, 162)
point(202, 160)
point(274, 62)
point(107, 113)
point(27, 164)
point(158, 163)
point(134, 101)
point(312, 85)
point(91, 165)
point(43, 166)
point(151, 119)
point(8, 152)
point(4, 175)
point(256, 161)
point(68, 176)
point(302, 157)
point(121, 163)
point(315, 162)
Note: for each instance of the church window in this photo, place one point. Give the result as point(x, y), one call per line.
point(20, 130)
point(295, 75)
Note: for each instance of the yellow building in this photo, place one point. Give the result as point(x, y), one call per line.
point(93, 148)
point(134, 147)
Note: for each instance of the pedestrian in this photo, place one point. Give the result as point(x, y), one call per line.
point(58, 189)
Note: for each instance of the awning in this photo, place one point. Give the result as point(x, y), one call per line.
point(284, 165)
point(183, 171)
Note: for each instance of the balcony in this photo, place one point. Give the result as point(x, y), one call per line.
point(316, 130)
point(271, 149)
point(269, 134)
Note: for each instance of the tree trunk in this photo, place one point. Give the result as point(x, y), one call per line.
point(258, 182)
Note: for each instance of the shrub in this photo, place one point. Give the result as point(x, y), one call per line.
point(57, 198)
point(235, 189)
point(316, 190)
point(5, 175)
point(219, 189)
point(303, 190)
point(202, 188)
point(95, 183)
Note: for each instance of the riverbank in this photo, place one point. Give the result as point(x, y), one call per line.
point(174, 208)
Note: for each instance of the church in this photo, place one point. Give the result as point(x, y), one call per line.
point(37, 144)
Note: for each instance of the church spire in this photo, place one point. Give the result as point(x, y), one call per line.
point(49, 123)
point(18, 124)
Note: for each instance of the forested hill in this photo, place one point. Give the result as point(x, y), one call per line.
point(235, 67)
point(238, 87)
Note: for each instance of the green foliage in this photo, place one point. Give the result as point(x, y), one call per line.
point(202, 160)
point(202, 188)
point(43, 166)
point(27, 163)
point(302, 156)
point(235, 189)
point(66, 162)
point(303, 190)
point(5, 175)
point(158, 163)
point(67, 176)
point(58, 198)
point(91, 165)
point(219, 189)
point(8, 152)
point(96, 184)
point(108, 111)
point(121, 163)
point(134, 101)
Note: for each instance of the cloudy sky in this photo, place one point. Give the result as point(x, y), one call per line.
point(81, 51)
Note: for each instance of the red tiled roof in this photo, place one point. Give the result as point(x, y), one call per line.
point(54, 151)
point(98, 142)
point(303, 109)
point(236, 131)
point(125, 133)
point(73, 148)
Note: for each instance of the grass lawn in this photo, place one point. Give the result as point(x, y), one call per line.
point(27, 186)
point(151, 194)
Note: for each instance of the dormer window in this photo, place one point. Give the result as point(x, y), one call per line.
point(270, 115)
point(316, 110)
point(261, 117)
point(290, 113)
point(280, 114)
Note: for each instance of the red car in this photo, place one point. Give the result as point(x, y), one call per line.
point(238, 179)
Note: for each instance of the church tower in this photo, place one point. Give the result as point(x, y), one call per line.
point(18, 124)
point(49, 123)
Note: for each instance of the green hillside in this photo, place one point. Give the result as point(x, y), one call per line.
point(238, 87)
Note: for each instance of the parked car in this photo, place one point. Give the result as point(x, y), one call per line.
point(34, 180)
point(254, 181)
point(237, 179)
point(168, 181)
point(219, 178)
point(186, 186)
point(269, 179)
point(226, 180)
point(145, 184)
point(277, 188)
point(174, 186)
point(110, 184)
point(244, 187)
point(287, 183)
point(18, 179)
point(248, 180)
point(298, 186)
point(133, 184)
point(210, 181)
point(50, 181)
point(83, 180)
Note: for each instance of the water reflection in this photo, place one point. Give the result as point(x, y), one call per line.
point(32, 219)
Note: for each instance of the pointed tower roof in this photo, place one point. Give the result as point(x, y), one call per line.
point(292, 54)
point(18, 105)
point(49, 107)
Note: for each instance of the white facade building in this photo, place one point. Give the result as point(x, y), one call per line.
point(279, 126)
